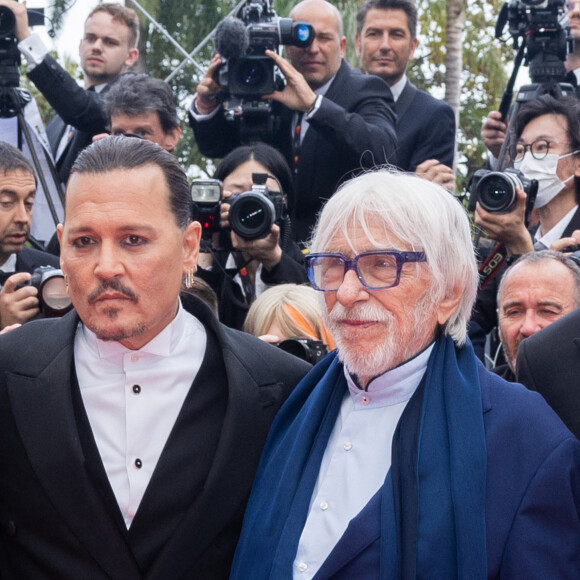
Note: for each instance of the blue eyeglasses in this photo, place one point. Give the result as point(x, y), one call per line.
point(376, 270)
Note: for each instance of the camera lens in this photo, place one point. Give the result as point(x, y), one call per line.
point(54, 294)
point(497, 192)
point(252, 215)
point(253, 75)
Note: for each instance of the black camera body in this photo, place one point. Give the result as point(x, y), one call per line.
point(247, 73)
point(9, 53)
point(496, 190)
point(252, 213)
point(53, 297)
point(537, 23)
point(307, 349)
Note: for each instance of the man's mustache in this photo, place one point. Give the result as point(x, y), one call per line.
point(115, 285)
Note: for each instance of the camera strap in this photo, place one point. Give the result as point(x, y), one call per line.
point(492, 264)
point(296, 141)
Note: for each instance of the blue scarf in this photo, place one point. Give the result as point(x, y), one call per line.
point(438, 474)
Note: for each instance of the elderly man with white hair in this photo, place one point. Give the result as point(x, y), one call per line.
point(400, 455)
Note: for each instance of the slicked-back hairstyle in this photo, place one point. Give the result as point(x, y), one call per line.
point(137, 94)
point(567, 107)
point(407, 6)
point(120, 153)
point(264, 154)
point(120, 13)
point(420, 216)
point(538, 258)
point(12, 159)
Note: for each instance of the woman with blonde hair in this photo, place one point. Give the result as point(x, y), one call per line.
point(287, 311)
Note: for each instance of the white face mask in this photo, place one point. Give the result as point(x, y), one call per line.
point(544, 170)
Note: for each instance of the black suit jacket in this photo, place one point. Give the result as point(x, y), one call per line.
point(549, 362)
point(353, 129)
point(425, 129)
point(55, 517)
point(74, 106)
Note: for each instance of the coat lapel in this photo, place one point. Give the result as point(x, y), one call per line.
point(43, 411)
point(228, 484)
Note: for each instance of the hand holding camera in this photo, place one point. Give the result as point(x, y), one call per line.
point(297, 94)
point(508, 228)
point(208, 89)
point(18, 304)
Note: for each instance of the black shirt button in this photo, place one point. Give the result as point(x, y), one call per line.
point(136, 389)
point(138, 463)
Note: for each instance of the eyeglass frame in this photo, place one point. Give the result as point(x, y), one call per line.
point(401, 258)
point(528, 147)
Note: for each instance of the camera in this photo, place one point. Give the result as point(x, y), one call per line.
point(53, 297)
point(547, 44)
point(9, 53)
point(251, 213)
point(496, 190)
point(206, 195)
point(242, 42)
point(307, 349)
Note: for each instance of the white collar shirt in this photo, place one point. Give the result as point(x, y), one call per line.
point(133, 397)
point(356, 460)
point(556, 232)
point(9, 265)
point(398, 87)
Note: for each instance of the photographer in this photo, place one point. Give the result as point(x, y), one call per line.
point(239, 269)
point(107, 49)
point(547, 149)
point(17, 262)
point(333, 121)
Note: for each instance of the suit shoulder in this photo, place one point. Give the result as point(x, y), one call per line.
point(32, 258)
point(514, 413)
point(262, 358)
point(34, 344)
point(429, 100)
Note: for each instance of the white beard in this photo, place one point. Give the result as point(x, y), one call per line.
point(392, 349)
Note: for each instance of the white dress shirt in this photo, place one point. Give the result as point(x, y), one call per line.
point(356, 460)
point(556, 232)
point(133, 397)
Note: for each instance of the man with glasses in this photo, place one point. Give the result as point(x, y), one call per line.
point(399, 455)
point(547, 148)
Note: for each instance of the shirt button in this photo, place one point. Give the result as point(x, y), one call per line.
point(302, 567)
point(136, 389)
point(134, 357)
point(138, 463)
point(348, 446)
point(323, 505)
point(366, 400)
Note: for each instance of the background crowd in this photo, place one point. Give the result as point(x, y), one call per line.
point(312, 275)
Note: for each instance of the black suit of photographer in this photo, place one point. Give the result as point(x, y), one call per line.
point(353, 129)
point(80, 108)
point(233, 304)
